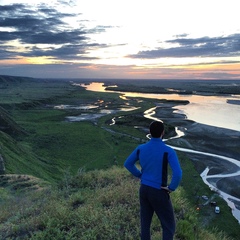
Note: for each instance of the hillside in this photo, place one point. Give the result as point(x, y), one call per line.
point(100, 204)
point(64, 179)
point(8, 125)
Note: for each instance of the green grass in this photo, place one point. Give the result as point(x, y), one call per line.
point(66, 145)
point(62, 145)
point(22, 90)
point(195, 189)
point(74, 145)
point(99, 204)
point(20, 159)
point(95, 197)
point(52, 144)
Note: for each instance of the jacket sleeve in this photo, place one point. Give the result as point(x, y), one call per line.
point(130, 163)
point(176, 170)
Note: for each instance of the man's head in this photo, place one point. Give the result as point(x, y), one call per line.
point(156, 129)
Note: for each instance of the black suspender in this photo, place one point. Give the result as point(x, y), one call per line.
point(165, 170)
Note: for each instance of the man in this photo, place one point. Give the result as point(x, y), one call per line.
point(154, 157)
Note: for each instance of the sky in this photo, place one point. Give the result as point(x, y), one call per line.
point(133, 39)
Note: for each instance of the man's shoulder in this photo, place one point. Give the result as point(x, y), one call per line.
point(168, 149)
point(143, 145)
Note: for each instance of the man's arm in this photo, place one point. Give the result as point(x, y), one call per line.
point(130, 163)
point(176, 171)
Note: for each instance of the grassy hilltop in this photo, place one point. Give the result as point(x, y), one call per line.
point(65, 180)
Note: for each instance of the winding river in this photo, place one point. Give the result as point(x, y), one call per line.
point(200, 110)
point(228, 198)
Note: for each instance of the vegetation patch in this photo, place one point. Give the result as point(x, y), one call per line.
point(99, 204)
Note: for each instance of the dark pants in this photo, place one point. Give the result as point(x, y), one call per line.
point(158, 201)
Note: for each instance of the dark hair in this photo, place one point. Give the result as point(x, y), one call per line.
point(156, 129)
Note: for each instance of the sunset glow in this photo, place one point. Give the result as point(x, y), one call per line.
point(121, 39)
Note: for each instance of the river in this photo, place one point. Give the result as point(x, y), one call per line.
point(210, 110)
point(229, 199)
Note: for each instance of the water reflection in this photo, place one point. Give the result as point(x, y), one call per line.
point(93, 86)
point(210, 110)
point(90, 115)
point(81, 107)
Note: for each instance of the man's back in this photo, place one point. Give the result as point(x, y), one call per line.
point(154, 158)
point(150, 157)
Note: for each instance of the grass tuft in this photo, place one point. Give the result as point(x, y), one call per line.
point(99, 204)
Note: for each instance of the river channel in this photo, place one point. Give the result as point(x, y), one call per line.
point(210, 110)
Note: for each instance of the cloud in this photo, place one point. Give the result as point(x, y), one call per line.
point(6, 54)
point(228, 46)
point(45, 26)
point(65, 52)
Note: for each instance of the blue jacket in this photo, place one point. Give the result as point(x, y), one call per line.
point(153, 165)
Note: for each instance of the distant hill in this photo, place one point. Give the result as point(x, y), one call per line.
point(25, 92)
point(5, 80)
